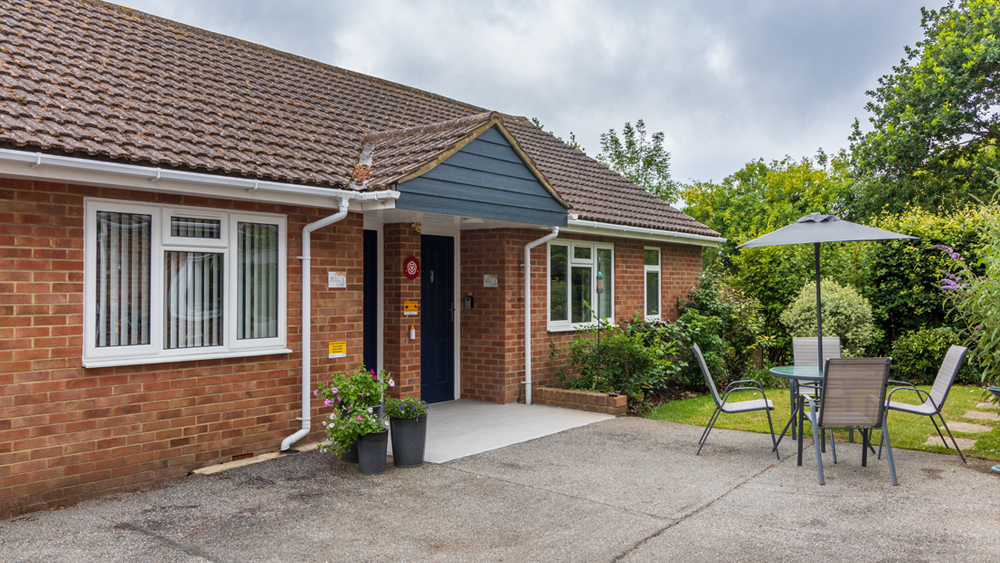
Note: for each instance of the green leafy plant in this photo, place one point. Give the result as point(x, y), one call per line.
point(357, 397)
point(975, 297)
point(408, 407)
point(845, 314)
point(628, 362)
point(917, 356)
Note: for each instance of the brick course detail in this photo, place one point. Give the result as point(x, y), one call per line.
point(580, 400)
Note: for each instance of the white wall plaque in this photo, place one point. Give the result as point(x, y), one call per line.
point(489, 281)
point(336, 280)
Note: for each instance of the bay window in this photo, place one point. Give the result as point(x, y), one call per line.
point(651, 261)
point(572, 283)
point(167, 283)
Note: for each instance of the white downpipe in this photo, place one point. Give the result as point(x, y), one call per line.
point(307, 320)
point(527, 310)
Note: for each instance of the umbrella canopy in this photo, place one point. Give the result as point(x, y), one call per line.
point(817, 228)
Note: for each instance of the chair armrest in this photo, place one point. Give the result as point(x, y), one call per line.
point(921, 394)
point(728, 391)
point(896, 382)
point(756, 384)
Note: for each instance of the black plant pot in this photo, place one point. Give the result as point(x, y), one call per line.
point(351, 455)
point(372, 451)
point(409, 438)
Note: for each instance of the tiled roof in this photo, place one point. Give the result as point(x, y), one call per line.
point(95, 80)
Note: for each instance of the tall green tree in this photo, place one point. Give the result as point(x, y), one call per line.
point(936, 118)
point(762, 197)
point(642, 160)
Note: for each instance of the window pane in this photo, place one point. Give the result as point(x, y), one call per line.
point(581, 294)
point(606, 298)
point(123, 266)
point(652, 293)
point(581, 253)
point(257, 281)
point(557, 283)
point(195, 228)
point(192, 287)
point(652, 257)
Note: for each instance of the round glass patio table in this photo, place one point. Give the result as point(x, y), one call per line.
point(794, 375)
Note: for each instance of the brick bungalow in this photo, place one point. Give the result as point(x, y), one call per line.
point(165, 190)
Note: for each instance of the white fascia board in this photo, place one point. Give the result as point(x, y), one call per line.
point(53, 168)
point(625, 231)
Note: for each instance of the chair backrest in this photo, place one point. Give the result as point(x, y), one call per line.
point(946, 374)
point(854, 392)
point(805, 350)
point(708, 376)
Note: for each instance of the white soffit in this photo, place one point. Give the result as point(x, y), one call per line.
point(642, 233)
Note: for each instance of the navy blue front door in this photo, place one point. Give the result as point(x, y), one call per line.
point(370, 293)
point(437, 322)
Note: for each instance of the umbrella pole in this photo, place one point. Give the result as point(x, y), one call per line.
point(819, 313)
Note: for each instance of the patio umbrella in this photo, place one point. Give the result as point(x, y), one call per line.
point(817, 228)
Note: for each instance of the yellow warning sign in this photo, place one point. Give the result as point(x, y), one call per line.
point(338, 349)
point(410, 307)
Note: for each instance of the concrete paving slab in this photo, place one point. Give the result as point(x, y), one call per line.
point(964, 443)
point(969, 428)
point(624, 489)
point(980, 415)
point(462, 428)
point(993, 406)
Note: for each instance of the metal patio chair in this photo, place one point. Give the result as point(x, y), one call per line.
point(933, 401)
point(805, 352)
point(853, 396)
point(722, 406)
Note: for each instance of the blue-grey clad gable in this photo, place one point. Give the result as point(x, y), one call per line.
point(485, 178)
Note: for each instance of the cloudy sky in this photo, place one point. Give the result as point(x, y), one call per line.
point(726, 81)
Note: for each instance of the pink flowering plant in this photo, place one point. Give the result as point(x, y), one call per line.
point(357, 397)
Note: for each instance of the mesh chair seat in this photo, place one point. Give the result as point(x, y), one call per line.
point(747, 406)
point(925, 408)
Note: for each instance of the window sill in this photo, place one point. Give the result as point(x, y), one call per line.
point(572, 328)
point(148, 360)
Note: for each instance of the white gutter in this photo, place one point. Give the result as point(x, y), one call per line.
point(527, 310)
point(306, 258)
point(129, 176)
point(626, 231)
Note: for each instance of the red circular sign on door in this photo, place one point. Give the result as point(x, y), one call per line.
point(411, 268)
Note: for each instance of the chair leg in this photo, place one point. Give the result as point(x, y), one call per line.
point(773, 441)
point(819, 455)
point(864, 448)
point(833, 446)
point(936, 427)
point(950, 436)
point(888, 452)
point(708, 429)
point(850, 434)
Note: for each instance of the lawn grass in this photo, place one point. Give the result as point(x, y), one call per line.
point(906, 430)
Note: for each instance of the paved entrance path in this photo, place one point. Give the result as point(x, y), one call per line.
point(620, 490)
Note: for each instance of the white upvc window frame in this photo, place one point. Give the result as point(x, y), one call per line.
point(161, 241)
point(572, 245)
point(645, 280)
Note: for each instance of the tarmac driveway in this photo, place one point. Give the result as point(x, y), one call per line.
point(626, 489)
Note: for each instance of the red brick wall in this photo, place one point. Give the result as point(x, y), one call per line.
point(492, 335)
point(400, 356)
point(69, 433)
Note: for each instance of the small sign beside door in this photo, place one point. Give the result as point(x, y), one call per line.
point(336, 280)
point(489, 281)
point(411, 267)
point(338, 349)
point(410, 307)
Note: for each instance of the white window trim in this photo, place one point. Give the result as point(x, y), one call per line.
point(161, 241)
point(659, 276)
point(568, 324)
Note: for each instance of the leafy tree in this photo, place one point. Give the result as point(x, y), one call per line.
point(572, 136)
point(845, 314)
point(763, 197)
point(643, 161)
point(935, 119)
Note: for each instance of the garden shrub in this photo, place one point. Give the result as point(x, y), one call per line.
point(917, 356)
point(632, 363)
point(740, 325)
point(845, 314)
point(904, 287)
